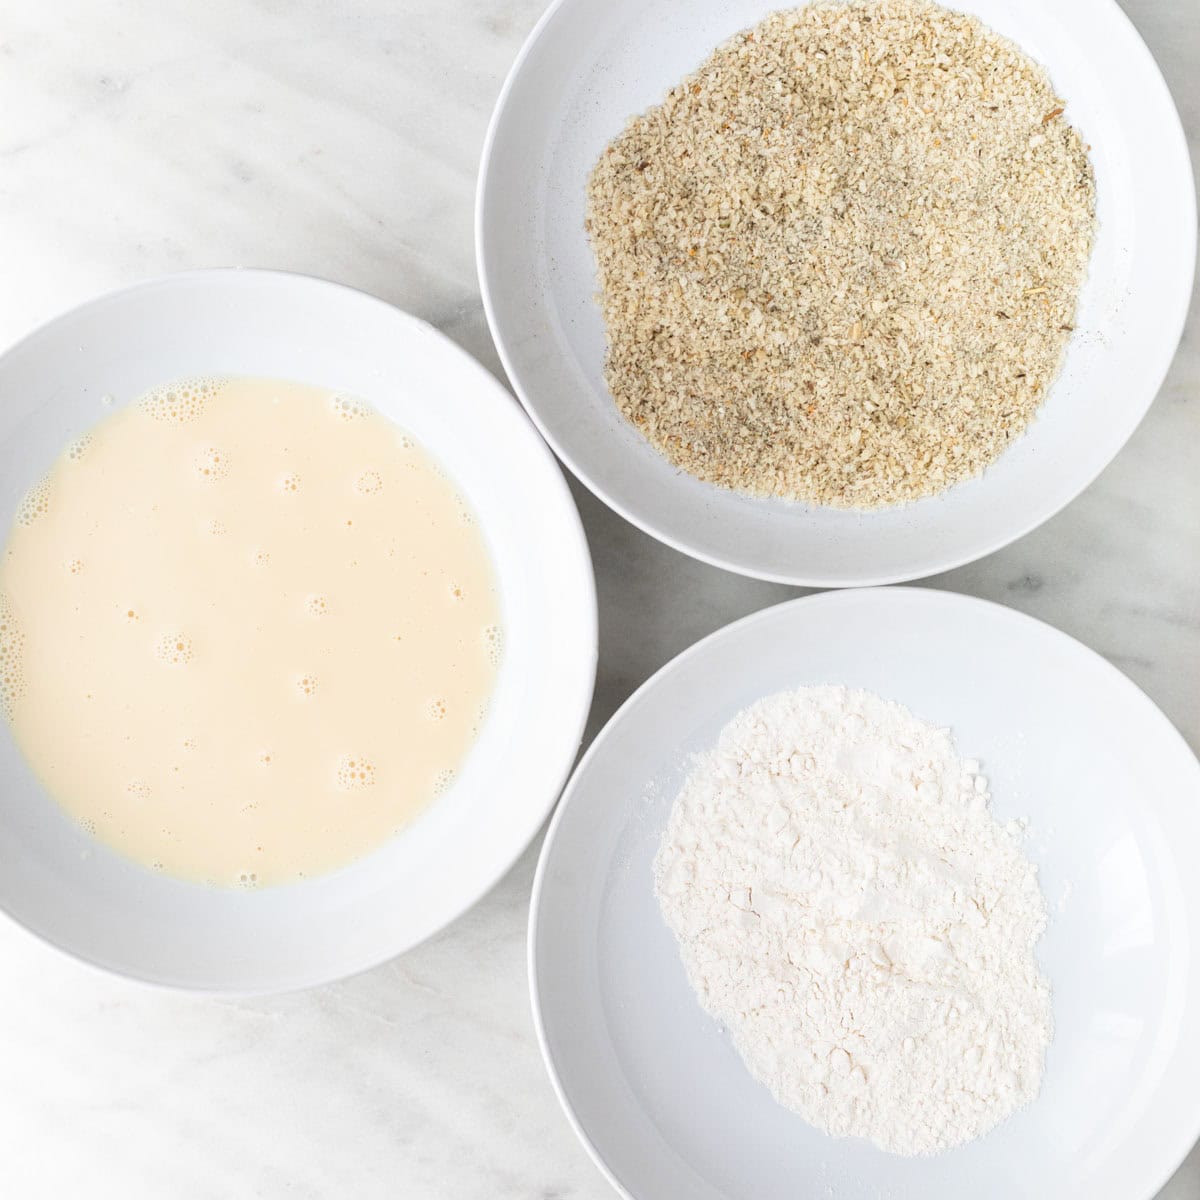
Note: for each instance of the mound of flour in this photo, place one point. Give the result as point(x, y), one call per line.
point(847, 906)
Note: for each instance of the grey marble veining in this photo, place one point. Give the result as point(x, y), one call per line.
point(145, 136)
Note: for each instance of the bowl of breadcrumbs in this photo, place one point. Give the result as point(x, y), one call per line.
point(841, 294)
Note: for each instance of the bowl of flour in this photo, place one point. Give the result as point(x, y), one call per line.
point(876, 894)
point(841, 294)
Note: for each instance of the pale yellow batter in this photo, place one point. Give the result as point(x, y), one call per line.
point(247, 630)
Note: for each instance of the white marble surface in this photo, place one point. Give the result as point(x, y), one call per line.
point(340, 137)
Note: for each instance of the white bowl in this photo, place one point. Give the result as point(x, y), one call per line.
point(653, 1086)
point(591, 64)
point(92, 902)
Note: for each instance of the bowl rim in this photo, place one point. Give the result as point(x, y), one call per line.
point(588, 617)
point(645, 522)
point(832, 597)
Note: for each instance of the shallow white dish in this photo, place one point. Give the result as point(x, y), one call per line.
point(86, 899)
point(655, 1089)
point(591, 64)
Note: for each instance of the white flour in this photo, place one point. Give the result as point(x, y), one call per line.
point(847, 906)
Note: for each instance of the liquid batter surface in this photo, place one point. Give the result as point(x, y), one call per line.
point(247, 630)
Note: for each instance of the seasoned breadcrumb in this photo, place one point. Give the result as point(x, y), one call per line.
point(840, 262)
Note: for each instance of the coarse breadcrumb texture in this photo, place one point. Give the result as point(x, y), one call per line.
point(840, 262)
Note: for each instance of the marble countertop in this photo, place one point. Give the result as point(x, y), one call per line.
point(139, 137)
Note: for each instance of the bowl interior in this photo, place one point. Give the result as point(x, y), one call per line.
point(655, 1087)
point(592, 65)
point(67, 887)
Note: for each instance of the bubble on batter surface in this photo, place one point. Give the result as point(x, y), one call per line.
point(306, 685)
point(347, 408)
point(79, 447)
point(174, 649)
point(247, 879)
point(493, 641)
point(369, 483)
point(212, 464)
point(179, 403)
point(262, 558)
point(75, 566)
point(442, 781)
point(12, 666)
point(35, 504)
point(436, 709)
point(317, 605)
point(355, 772)
point(139, 789)
point(289, 484)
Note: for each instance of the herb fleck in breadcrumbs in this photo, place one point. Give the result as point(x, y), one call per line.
point(840, 262)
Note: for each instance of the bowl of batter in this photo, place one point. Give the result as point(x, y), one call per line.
point(297, 631)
